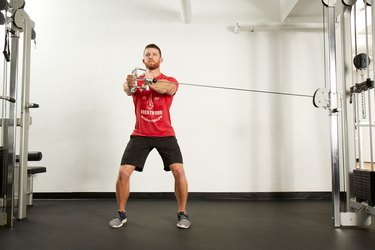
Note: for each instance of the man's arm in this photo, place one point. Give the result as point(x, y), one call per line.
point(164, 87)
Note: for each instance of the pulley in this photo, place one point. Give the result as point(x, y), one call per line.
point(321, 98)
point(349, 2)
point(361, 61)
point(329, 3)
point(17, 4)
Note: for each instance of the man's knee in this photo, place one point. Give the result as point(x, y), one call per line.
point(177, 170)
point(125, 172)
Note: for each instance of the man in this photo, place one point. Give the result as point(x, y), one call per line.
point(153, 129)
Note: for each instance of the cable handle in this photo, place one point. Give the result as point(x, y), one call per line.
point(32, 105)
point(8, 98)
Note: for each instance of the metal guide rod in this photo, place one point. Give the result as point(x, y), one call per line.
point(356, 99)
point(373, 50)
point(359, 132)
point(10, 129)
point(370, 129)
point(27, 25)
point(369, 92)
point(330, 51)
point(348, 151)
point(354, 25)
point(367, 48)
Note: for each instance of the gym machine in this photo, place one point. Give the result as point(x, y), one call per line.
point(350, 105)
point(16, 177)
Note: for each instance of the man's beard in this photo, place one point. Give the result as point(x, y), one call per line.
point(152, 65)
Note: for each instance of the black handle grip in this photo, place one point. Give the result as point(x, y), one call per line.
point(33, 105)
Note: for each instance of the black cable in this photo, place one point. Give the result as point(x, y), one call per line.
point(247, 90)
point(6, 51)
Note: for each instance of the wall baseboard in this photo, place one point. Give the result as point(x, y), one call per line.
point(194, 195)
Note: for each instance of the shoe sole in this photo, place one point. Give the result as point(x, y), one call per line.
point(118, 226)
point(183, 226)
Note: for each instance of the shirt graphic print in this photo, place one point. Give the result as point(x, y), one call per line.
point(152, 111)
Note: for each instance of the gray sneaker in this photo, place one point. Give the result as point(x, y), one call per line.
point(119, 221)
point(183, 220)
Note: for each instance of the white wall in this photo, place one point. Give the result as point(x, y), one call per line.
point(232, 141)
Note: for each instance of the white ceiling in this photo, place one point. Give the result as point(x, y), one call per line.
point(307, 8)
point(285, 8)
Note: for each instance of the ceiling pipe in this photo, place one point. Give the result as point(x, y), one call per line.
point(258, 26)
point(186, 12)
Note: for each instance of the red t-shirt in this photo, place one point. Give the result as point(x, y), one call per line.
point(152, 111)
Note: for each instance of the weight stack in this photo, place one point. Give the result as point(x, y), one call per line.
point(364, 186)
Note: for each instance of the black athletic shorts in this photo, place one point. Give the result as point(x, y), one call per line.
point(139, 147)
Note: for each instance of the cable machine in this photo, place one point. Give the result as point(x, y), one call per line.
point(349, 46)
point(15, 174)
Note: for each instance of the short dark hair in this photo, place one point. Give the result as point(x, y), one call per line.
point(154, 46)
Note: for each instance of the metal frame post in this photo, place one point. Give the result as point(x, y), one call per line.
point(9, 128)
point(24, 22)
point(373, 52)
point(347, 118)
point(20, 23)
point(331, 78)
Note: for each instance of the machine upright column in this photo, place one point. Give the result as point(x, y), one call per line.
point(331, 81)
point(9, 128)
point(23, 21)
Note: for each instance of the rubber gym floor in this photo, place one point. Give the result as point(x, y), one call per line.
point(216, 224)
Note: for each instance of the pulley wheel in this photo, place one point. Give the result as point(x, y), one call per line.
point(321, 98)
point(360, 61)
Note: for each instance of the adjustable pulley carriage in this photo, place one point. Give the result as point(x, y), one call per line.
point(349, 97)
point(15, 175)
